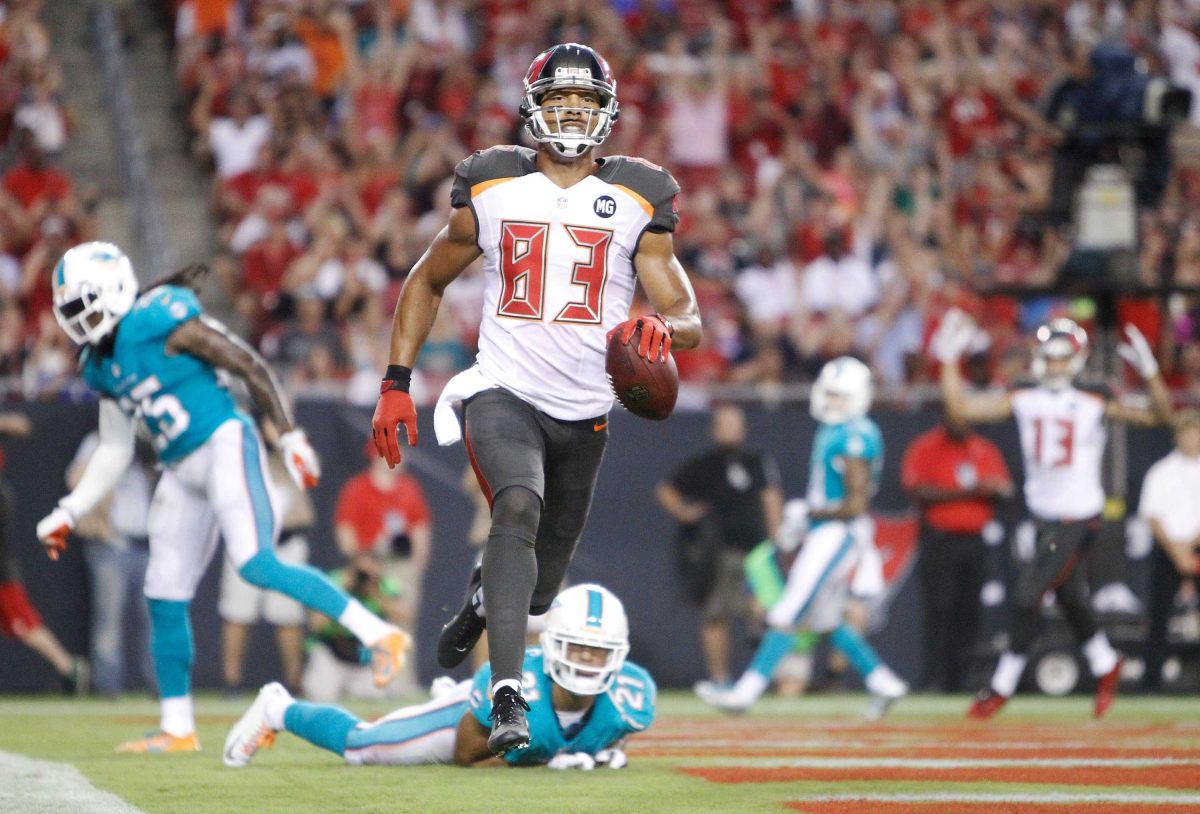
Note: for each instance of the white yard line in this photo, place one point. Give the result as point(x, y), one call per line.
point(940, 763)
point(29, 786)
point(1152, 798)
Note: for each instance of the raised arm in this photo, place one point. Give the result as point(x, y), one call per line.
point(1140, 355)
point(973, 408)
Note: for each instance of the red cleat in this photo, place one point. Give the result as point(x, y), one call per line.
point(987, 703)
point(1106, 688)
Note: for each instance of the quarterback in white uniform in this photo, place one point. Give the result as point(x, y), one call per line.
point(1062, 435)
point(564, 237)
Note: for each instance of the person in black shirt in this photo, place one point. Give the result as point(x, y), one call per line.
point(730, 498)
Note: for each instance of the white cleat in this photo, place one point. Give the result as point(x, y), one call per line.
point(252, 732)
point(886, 689)
point(722, 697)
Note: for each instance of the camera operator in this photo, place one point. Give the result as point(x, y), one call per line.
point(335, 667)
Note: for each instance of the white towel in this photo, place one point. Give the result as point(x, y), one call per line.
point(446, 425)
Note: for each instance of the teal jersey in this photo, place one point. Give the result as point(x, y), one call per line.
point(177, 396)
point(834, 443)
point(627, 707)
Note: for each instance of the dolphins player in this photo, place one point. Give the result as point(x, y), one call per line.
point(155, 357)
point(584, 700)
point(846, 464)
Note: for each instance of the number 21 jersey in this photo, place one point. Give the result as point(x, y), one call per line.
point(559, 269)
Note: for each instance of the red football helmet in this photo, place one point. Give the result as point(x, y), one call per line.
point(569, 65)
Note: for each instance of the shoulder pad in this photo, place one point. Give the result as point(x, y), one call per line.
point(160, 310)
point(634, 696)
point(492, 164)
point(655, 188)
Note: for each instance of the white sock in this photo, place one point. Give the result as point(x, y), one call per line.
point(366, 626)
point(511, 683)
point(1008, 673)
point(750, 686)
point(882, 681)
point(1100, 654)
point(177, 716)
point(276, 709)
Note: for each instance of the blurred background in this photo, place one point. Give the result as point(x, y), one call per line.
point(850, 171)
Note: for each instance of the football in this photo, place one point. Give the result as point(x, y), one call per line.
point(646, 389)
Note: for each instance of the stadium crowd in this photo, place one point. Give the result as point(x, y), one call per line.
point(850, 170)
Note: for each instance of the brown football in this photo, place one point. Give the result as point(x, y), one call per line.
point(646, 389)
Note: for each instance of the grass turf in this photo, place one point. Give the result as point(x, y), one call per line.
point(296, 778)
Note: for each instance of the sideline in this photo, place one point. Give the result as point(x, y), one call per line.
point(29, 786)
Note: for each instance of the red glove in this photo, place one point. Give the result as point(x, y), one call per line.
point(656, 335)
point(395, 407)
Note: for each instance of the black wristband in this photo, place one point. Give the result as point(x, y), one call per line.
point(399, 376)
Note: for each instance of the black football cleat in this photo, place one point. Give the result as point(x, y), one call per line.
point(510, 730)
point(462, 632)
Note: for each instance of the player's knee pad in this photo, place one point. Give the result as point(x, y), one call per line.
point(517, 511)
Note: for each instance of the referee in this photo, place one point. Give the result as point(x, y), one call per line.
point(955, 477)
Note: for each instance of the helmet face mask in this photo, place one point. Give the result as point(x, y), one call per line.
point(1061, 353)
point(586, 639)
point(565, 68)
point(842, 392)
point(94, 287)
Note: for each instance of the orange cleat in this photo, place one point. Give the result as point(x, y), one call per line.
point(157, 743)
point(388, 655)
point(987, 703)
point(1106, 688)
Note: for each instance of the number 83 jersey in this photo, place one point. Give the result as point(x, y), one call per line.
point(177, 396)
point(559, 268)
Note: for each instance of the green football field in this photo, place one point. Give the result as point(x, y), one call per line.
point(814, 755)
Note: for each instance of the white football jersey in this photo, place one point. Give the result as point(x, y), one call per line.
point(1062, 445)
point(559, 270)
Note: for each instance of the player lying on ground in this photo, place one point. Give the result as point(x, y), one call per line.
point(584, 700)
point(1062, 429)
point(155, 357)
point(847, 461)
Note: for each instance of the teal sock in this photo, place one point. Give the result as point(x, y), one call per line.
point(171, 646)
point(320, 725)
point(771, 650)
point(862, 656)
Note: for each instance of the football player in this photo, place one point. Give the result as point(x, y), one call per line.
point(834, 532)
point(565, 237)
point(156, 358)
point(584, 699)
point(1062, 433)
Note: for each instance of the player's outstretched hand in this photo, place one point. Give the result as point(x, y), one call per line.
point(655, 341)
point(300, 458)
point(395, 407)
point(53, 530)
point(952, 337)
point(612, 758)
point(572, 760)
point(1138, 353)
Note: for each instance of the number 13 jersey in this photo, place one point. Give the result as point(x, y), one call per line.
point(559, 269)
point(1062, 446)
